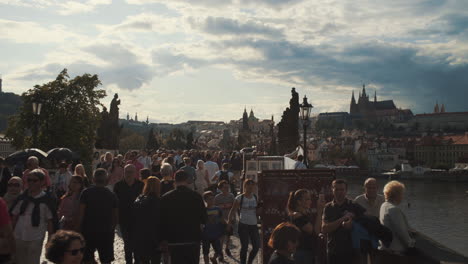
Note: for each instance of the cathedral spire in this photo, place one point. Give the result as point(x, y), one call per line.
point(436, 108)
point(442, 109)
point(364, 90)
point(375, 97)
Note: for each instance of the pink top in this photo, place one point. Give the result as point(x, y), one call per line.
point(47, 182)
point(68, 209)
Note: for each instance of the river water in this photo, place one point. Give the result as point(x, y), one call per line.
point(437, 209)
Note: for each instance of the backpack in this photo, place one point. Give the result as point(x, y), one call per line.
point(224, 176)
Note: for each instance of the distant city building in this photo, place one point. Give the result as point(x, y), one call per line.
point(252, 131)
point(373, 110)
point(440, 120)
point(438, 150)
point(6, 148)
point(343, 119)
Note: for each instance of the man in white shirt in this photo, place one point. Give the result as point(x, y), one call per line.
point(32, 217)
point(370, 200)
point(211, 167)
point(144, 159)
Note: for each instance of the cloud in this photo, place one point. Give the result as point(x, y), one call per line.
point(225, 26)
point(453, 24)
point(62, 7)
point(114, 63)
point(146, 22)
point(32, 32)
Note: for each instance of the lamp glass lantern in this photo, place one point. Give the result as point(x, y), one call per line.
point(306, 109)
point(36, 108)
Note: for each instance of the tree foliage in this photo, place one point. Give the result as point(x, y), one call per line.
point(131, 140)
point(152, 143)
point(176, 139)
point(9, 105)
point(189, 140)
point(69, 116)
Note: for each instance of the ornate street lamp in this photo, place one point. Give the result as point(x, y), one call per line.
point(36, 107)
point(305, 109)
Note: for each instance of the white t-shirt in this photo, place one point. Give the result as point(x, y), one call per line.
point(248, 211)
point(24, 229)
point(212, 168)
point(145, 161)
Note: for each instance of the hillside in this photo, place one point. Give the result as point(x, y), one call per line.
point(9, 105)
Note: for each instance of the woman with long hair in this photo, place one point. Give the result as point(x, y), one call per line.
point(146, 223)
point(116, 172)
point(70, 202)
point(80, 171)
point(201, 182)
point(299, 210)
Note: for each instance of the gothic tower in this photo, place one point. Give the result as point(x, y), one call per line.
point(245, 120)
point(353, 106)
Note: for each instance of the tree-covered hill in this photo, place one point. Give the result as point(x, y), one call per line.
point(9, 105)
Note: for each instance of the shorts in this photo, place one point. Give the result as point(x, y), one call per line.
point(216, 246)
point(103, 242)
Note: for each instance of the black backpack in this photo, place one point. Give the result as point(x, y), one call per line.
point(242, 201)
point(224, 176)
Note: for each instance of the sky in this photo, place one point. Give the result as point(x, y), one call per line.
point(182, 60)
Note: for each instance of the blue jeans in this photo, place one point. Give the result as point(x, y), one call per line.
point(247, 232)
point(304, 256)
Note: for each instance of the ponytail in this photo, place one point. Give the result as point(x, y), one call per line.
point(293, 198)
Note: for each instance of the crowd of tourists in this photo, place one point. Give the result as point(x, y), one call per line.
point(167, 206)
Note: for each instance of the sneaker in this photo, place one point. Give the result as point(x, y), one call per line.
point(213, 260)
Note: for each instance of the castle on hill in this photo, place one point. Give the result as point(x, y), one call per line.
point(373, 110)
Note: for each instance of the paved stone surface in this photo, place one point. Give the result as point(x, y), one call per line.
point(120, 258)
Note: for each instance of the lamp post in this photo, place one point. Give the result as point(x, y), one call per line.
point(306, 108)
point(36, 107)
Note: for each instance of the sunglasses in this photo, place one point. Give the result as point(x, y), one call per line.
point(14, 185)
point(75, 252)
point(33, 180)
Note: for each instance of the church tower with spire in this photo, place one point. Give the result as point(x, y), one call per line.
point(353, 106)
point(245, 120)
point(436, 108)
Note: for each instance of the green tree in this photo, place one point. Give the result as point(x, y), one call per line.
point(130, 140)
point(189, 140)
point(69, 116)
point(152, 143)
point(176, 139)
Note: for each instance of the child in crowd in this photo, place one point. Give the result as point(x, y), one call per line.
point(225, 200)
point(214, 229)
point(284, 240)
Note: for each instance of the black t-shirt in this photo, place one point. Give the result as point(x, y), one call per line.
point(339, 241)
point(306, 240)
point(279, 259)
point(166, 186)
point(100, 203)
point(126, 194)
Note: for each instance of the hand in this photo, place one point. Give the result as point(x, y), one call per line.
point(349, 215)
point(348, 223)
